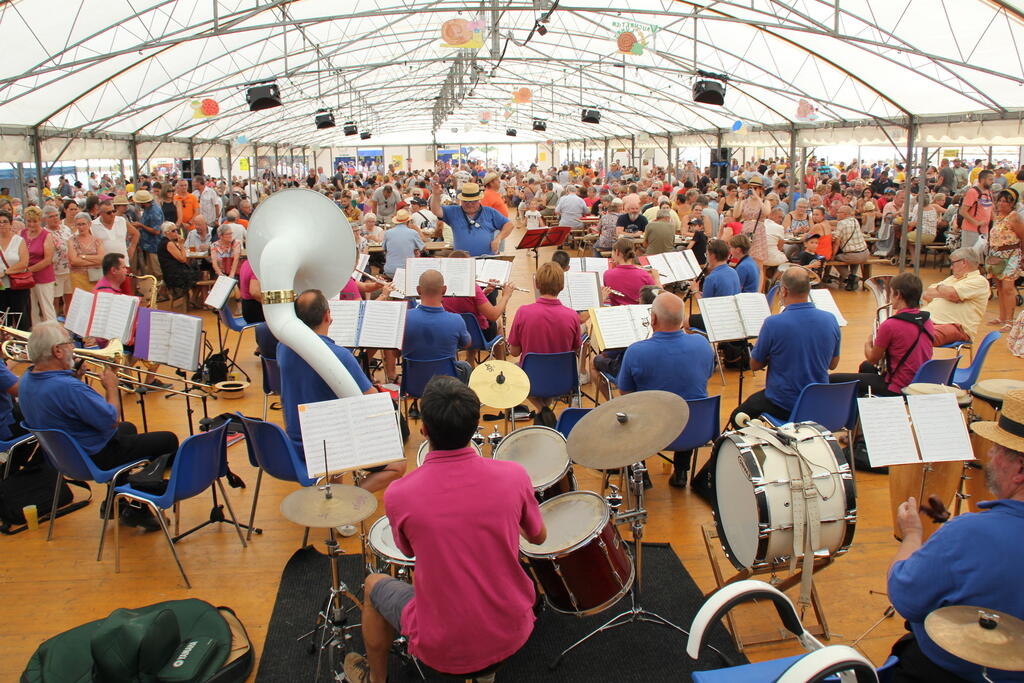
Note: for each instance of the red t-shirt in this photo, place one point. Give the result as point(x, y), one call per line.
point(545, 326)
point(627, 279)
point(468, 304)
point(896, 337)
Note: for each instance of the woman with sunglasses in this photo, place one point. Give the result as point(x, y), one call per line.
point(1004, 255)
point(178, 273)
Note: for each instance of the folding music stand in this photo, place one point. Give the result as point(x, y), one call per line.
point(535, 238)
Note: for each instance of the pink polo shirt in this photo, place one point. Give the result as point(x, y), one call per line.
point(245, 276)
point(897, 338)
point(468, 304)
point(460, 515)
point(628, 279)
point(545, 326)
point(350, 292)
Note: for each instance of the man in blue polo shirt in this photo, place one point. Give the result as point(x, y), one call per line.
point(476, 230)
point(721, 279)
point(301, 384)
point(798, 346)
point(670, 360)
point(431, 332)
point(401, 242)
point(747, 270)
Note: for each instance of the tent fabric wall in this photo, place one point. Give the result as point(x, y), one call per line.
point(15, 148)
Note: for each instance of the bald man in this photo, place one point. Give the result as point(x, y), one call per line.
point(431, 332)
point(670, 360)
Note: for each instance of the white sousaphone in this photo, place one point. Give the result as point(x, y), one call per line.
point(299, 239)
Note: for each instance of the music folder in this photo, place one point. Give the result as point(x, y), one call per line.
point(617, 327)
point(493, 269)
point(581, 291)
point(823, 299)
point(173, 339)
point(589, 264)
point(350, 433)
point(674, 266)
point(731, 318)
point(369, 324)
point(220, 292)
point(935, 422)
point(459, 274)
point(104, 315)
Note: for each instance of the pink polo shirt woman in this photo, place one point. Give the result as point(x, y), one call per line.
point(545, 326)
point(628, 280)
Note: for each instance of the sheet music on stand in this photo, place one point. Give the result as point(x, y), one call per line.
point(360, 431)
point(674, 266)
point(459, 274)
point(731, 318)
point(581, 291)
point(362, 261)
point(104, 315)
point(79, 312)
point(369, 324)
point(173, 339)
point(617, 327)
point(220, 292)
point(488, 269)
point(588, 264)
point(823, 299)
point(935, 423)
point(399, 282)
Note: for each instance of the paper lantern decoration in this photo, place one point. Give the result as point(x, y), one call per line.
point(205, 108)
point(462, 34)
point(241, 139)
point(805, 111)
point(630, 43)
point(485, 117)
point(522, 96)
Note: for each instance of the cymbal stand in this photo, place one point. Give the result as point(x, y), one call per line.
point(636, 517)
point(495, 437)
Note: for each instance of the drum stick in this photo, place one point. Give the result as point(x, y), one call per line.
point(380, 281)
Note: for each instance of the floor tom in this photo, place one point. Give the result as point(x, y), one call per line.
point(542, 451)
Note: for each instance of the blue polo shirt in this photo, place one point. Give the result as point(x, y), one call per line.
point(669, 361)
point(798, 345)
point(56, 399)
point(972, 559)
point(749, 274)
point(301, 384)
point(473, 238)
point(400, 243)
point(722, 281)
point(432, 332)
point(7, 380)
point(152, 217)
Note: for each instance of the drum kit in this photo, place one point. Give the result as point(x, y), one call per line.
point(988, 638)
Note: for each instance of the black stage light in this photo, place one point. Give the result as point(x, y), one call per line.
point(261, 97)
point(511, 132)
point(350, 128)
point(709, 92)
point(324, 119)
point(540, 124)
point(365, 135)
point(591, 116)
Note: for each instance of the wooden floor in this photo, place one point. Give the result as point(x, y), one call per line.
point(50, 587)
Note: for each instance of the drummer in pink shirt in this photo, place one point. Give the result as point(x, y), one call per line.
point(625, 277)
point(461, 516)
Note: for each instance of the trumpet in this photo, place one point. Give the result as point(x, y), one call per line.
point(14, 332)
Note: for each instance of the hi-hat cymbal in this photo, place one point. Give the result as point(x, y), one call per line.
point(627, 429)
point(985, 637)
point(500, 384)
point(310, 506)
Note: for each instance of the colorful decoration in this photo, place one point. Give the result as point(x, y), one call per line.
point(241, 139)
point(522, 96)
point(205, 108)
point(805, 111)
point(462, 34)
point(630, 43)
point(736, 125)
point(485, 117)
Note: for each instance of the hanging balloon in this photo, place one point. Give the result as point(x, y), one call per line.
point(205, 108)
point(736, 125)
point(485, 117)
point(241, 139)
point(805, 111)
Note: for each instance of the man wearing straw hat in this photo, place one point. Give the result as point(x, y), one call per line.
point(477, 229)
point(974, 559)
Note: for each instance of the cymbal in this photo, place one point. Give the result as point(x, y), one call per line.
point(310, 506)
point(500, 384)
point(961, 631)
point(627, 429)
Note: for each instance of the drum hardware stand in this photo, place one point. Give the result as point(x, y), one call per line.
point(636, 517)
point(478, 438)
point(818, 629)
point(494, 438)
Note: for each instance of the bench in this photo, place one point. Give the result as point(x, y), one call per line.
point(941, 253)
point(865, 268)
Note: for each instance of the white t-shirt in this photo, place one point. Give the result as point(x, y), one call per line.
point(238, 232)
point(425, 220)
point(532, 219)
point(115, 240)
point(13, 256)
point(773, 232)
point(209, 203)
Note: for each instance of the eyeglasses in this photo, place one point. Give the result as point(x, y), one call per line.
point(107, 213)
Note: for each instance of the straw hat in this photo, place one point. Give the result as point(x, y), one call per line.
point(142, 197)
point(401, 216)
point(756, 180)
point(120, 200)
point(471, 192)
point(1008, 431)
point(489, 178)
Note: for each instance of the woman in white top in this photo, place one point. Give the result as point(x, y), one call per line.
point(14, 260)
point(929, 224)
point(774, 235)
point(115, 237)
point(60, 234)
point(85, 254)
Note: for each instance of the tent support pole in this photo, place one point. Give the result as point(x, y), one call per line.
point(37, 152)
point(792, 159)
point(134, 148)
point(922, 194)
point(911, 131)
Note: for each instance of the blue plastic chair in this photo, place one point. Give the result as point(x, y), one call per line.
point(830, 405)
point(271, 451)
point(936, 371)
point(416, 374)
point(235, 324)
point(271, 381)
point(568, 419)
point(610, 383)
point(702, 428)
point(65, 455)
point(552, 375)
point(476, 336)
point(7, 450)
point(966, 377)
point(197, 466)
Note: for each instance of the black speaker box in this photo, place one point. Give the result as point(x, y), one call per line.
point(590, 116)
point(350, 128)
point(365, 135)
point(261, 97)
point(709, 92)
point(324, 119)
point(511, 132)
point(190, 168)
point(720, 157)
point(540, 124)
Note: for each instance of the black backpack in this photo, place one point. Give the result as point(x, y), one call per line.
point(32, 483)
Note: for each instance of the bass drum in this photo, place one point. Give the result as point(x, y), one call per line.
point(421, 454)
point(753, 501)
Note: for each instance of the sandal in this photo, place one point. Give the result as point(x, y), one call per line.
point(996, 322)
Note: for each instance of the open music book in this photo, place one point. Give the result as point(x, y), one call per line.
point(104, 315)
point(674, 266)
point(740, 316)
point(581, 291)
point(459, 274)
point(370, 324)
point(616, 327)
point(220, 291)
point(488, 269)
point(359, 431)
point(935, 420)
point(822, 298)
point(588, 264)
point(399, 282)
point(172, 339)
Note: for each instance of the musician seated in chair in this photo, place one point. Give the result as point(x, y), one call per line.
point(903, 341)
point(974, 559)
point(721, 279)
point(301, 384)
point(486, 310)
point(461, 516)
point(798, 346)
point(53, 397)
point(432, 332)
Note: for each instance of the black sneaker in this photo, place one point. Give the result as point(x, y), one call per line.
point(139, 517)
point(647, 481)
point(414, 411)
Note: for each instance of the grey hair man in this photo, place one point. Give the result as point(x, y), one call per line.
point(957, 303)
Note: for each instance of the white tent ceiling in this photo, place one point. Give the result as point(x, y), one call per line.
point(98, 68)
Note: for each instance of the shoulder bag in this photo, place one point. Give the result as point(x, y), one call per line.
point(22, 280)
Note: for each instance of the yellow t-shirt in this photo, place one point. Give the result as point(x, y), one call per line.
point(973, 292)
point(1011, 178)
point(974, 174)
point(900, 177)
point(129, 188)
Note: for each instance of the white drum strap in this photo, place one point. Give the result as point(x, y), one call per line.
point(806, 520)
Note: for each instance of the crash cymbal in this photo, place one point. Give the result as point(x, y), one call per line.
point(627, 429)
point(500, 384)
point(982, 636)
point(310, 506)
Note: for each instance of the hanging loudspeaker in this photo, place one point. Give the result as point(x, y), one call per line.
point(709, 92)
point(324, 119)
point(365, 135)
point(511, 132)
point(351, 128)
point(540, 124)
point(261, 97)
point(590, 116)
